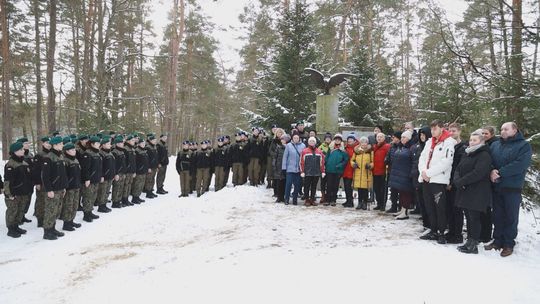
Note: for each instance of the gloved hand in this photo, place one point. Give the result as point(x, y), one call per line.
point(323, 175)
point(302, 174)
point(354, 165)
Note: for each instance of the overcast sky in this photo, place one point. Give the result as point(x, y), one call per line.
point(224, 13)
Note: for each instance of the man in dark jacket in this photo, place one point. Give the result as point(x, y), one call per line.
point(71, 198)
point(108, 172)
point(203, 160)
point(55, 181)
point(163, 162)
point(238, 157)
point(131, 169)
point(39, 205)
point(193, 147)
point(142, 169)
point(17, 189)
point(184, 159)
point(221, 160)
point(119, 154)
point(511, 158)
point(255, 151)
point(29, 159)
point(454, 213)
point(91, 168)
point(153, 164)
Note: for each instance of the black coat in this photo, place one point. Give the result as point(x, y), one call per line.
point(131, 159)
point(221, 157)
point(152, 153)
point(472, 182)
point(53, 172)
point(239, 153)
point(277, 160)
point(73, 170)
point(91, 166)
point(142, 161)
point(184, 159)
point(203, 159)
point(256, 147)
point(37, 165)
point(163, 153)
point(119, 160)
point(17, 175)
point(459, 151)
point(108, 170)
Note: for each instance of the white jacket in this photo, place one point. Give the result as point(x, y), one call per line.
point(440, 167)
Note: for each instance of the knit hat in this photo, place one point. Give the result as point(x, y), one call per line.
point(56, 140)
point(328, 135)
point(16, 146)
point(407, 134)
point(338, 136)
point(351, 136)
point(312, 140)
point(286, 137)
point(69, 146)
point(397, 134)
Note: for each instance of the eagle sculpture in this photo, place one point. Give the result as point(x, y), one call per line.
point(327, 84)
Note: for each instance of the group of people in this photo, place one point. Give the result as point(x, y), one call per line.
point(429, 171)
point(77, 173)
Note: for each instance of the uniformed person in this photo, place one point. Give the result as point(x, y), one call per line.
point(221, 160)
point(153, 163)
point(203, 162)
point(194, 147)
point(227, 145)
point(108, 173)
point(29, 159)
point(54, 178)
point(255, 148)
point(142, 170)
point(118, 183)
point(17, 189)
point(39, 205)
point(91, 175)
point(80, 147)
point(163, 162)
point(184, 158)
point(71, 199)
point(131, 169)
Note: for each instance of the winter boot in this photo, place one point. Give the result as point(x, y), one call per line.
point(48, 234)
point(126, 202)
point(68, 226)
point(25, 220)
point(80, 208)
point(431, 236)
point(135, 200)
point(322, 201)
point(104, 209)
point(441, 239)
point(161, 191)
point(392, 209)
point(471, 246)
point(507, 251)
point(116, 205)
point(12, 232)
point(307, 202)
point(57, 233)
point(87, 217)
point(19, 229)
point(75, 225)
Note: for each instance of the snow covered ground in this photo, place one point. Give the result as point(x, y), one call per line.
point(238, 246)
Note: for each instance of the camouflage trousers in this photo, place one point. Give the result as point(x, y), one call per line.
point(219, 181)
point(53, 207)
point(39, 206)
point(89, 196)
point(118, 188)
point(185, 182)
point(27, 203)
point(238, 173)
point(128, 184)
point(103, 192)
point(150, 180)
point(203, 180)
point(254, 171)
point(15, 209)
point(70, 205)
point(160, 179)
point(138, 185)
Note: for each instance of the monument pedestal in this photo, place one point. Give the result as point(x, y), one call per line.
point(327, 114)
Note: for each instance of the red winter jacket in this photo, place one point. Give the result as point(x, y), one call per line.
point(380, 151)
point(348, 173)
point(312, 161)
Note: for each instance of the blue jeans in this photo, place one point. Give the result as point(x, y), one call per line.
point(506, 217)
point(292, 179)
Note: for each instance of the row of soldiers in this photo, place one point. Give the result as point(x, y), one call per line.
point(247, 157)
point(78, 173)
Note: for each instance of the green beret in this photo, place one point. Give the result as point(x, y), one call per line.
point(105, 140)
point(22, 140)
point(300, 122)
point(69, 146)
point(44, 139)
point(73, 136)
point(56, 140)
point(16, 146)
point(151, 137)
point(150, 134)
point(94, 139)
point(130, 137)
point(118, 139)
point(83, 137)
point(66, 140)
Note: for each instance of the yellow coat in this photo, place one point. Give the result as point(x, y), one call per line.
point(362, 177)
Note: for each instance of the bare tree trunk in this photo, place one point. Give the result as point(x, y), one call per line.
point(516, 109)
point(51, 107)
point(492, 58)
point(535, 56)
point(86, 68)
point(7, 132)
point(37, 66)
point(504, 36)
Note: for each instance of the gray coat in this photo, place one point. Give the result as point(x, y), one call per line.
point(277, 160)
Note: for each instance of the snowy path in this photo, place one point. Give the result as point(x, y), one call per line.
point(236, 245)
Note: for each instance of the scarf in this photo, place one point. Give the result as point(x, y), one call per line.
point(435, 141)
point(471, 149)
